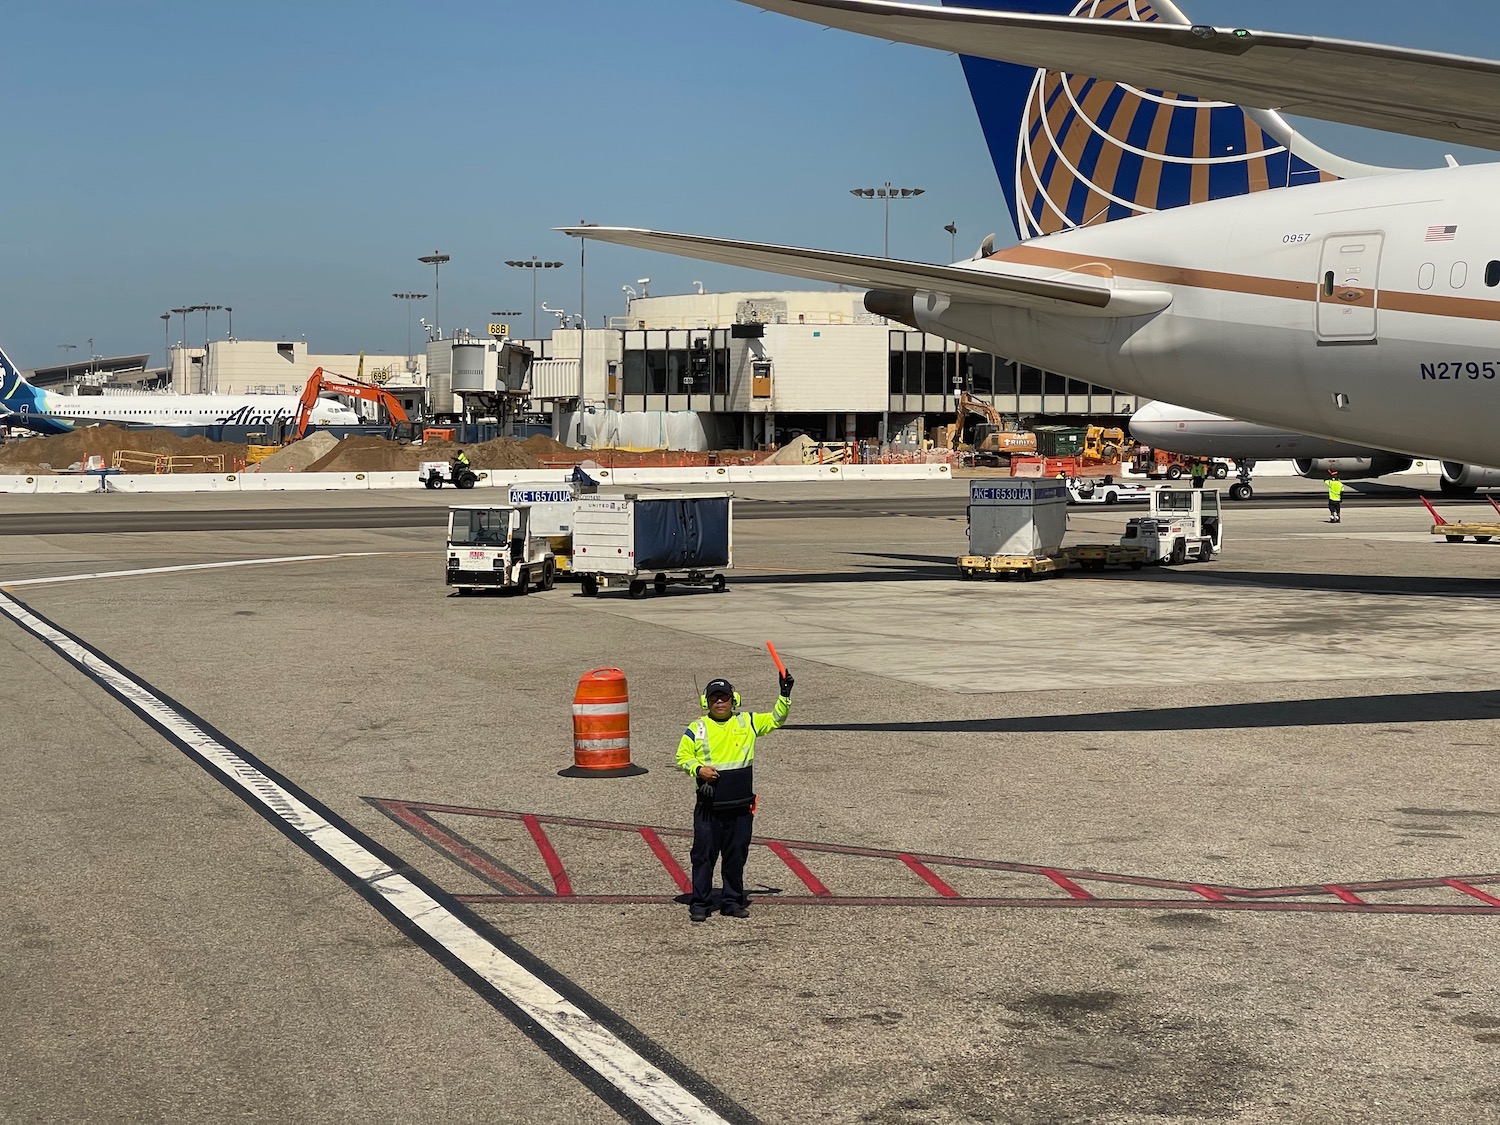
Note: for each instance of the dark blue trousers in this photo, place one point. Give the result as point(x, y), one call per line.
point(724, 833)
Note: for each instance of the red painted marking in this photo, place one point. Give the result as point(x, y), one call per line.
point(1460, 885)
point(929, 878)
point(408, 817)
point(1343, 894)
point(549, 857)
point(684, 884)
point(1067, 884)
point(799, 869)
point(415, 816)
point(1157, 904)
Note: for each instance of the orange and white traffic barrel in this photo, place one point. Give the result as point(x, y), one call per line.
point(601, 727)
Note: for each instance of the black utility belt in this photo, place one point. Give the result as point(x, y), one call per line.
point(734, 789)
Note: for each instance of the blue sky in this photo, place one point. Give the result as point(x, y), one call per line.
point(293, 158)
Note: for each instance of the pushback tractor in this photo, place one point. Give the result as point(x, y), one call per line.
point(1184, 524)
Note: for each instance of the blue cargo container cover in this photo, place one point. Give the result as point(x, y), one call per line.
point(686, 533)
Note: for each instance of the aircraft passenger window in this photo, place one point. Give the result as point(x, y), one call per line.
point(1328, 284)
point(1426, 274)
point(1492, 274)
point(1458, 277)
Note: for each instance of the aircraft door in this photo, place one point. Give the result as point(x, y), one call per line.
point(1348, 292)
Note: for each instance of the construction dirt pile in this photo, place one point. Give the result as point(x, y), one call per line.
point(64, 451)
point(376, 455)
point(300, 455)
point(321, 452)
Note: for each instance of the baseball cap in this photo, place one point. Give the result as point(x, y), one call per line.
point(719, 687)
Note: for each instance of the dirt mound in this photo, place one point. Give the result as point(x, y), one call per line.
point(64, 450)
point(376, 455)
point(300, 456)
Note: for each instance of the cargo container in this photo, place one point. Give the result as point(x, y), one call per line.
point(669, 538)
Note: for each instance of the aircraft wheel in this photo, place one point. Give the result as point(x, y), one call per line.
point(1241, 491)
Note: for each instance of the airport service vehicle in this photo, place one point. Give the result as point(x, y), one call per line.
point(1185, 523)
point(1156, 463)
point(1263, 278)
point(435, 474)
point(552, 505)
point(1086, 490)
point(669, 537)
point(492, 547)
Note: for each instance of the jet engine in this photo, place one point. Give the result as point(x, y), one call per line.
point(1464, 480)
point(1352, 468)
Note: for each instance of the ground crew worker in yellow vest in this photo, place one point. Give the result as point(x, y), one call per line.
point(1200, 473)
point(718, 752)
point(1335, 497)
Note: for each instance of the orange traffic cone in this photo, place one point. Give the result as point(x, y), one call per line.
point(601, 727)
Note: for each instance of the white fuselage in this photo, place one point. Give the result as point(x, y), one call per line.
point(187, 410)
point(1348, 310)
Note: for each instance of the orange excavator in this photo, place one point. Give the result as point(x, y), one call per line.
point(331, 383)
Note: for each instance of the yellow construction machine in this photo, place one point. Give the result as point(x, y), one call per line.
point(988, 437)
point(1103, 446)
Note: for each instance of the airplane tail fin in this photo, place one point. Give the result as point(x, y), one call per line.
point(1073, 151)
point(16, 394)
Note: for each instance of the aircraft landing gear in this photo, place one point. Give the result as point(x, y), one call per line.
point(1241, 489)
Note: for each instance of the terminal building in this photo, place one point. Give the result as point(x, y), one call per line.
point(688, 371)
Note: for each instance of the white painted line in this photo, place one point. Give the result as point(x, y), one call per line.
point(596, 1046)
point(184, 567)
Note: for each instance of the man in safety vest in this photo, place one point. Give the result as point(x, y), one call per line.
point(718, 752)
point(1200, 473)
point(1335, 497)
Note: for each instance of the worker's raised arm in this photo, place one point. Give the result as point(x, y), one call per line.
point(765, 722)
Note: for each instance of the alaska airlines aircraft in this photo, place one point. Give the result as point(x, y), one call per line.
point(47, 412)
point(1192, 252)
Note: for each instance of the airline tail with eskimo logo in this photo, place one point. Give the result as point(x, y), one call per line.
point(1073, 151)
point(17, 396)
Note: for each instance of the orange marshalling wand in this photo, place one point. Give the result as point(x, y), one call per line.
point(780, 667)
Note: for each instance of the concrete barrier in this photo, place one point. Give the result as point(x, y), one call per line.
point(173, 482)
point(301, 482)
point(70, 485)
point(26, 484)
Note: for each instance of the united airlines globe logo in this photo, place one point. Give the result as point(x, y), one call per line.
point(1091, 151)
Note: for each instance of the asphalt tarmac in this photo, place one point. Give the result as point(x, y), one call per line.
point(1211, 843)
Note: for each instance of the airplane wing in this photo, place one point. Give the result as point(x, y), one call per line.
point(1420, 93)
point(1068, 294)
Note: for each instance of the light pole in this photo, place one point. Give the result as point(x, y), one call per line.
point(887, 193)
point(533, 264)
point(205, 310)
point(952, 229)
point(230, 311)
point(67, 363)
point(436, 260)
point(409, 298)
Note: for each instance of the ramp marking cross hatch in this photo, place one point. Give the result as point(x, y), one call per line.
point(1055, 887)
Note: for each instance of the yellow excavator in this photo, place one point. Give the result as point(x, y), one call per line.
point(989, 439)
